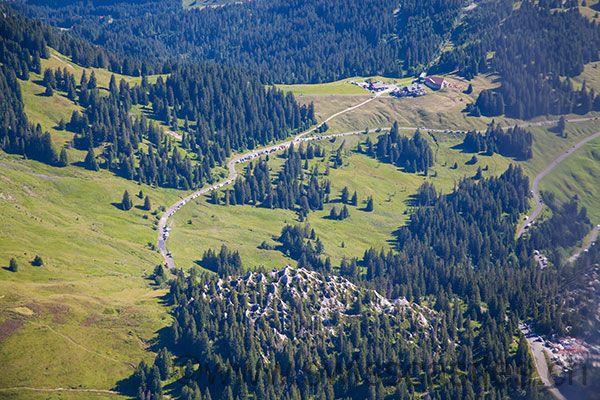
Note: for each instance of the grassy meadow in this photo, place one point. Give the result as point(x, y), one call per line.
point(84, 317)
point(88, 314)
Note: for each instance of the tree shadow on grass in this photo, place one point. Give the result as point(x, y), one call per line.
point(118, 206)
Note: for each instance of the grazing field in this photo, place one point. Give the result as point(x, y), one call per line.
point(341, 87)
point(87, 314)
point(579, 176)
point(440, 110)
point(48, 111)
point(203, 225)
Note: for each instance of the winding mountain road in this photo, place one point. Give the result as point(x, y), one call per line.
point(538, 178)
point(163, 230)
point(590, 241)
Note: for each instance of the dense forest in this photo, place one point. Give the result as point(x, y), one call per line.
point(285, 40)
point(512, 142)
point(535, 50)
point(25, 41)
point(22, 45)
point(296, 334)
point(456, 263)
point(411, 154)
point(222, 110)
point(218, 110)
point(294, 187)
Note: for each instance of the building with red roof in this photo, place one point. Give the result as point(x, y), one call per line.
point(435, 82)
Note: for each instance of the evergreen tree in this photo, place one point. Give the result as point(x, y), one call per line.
point(63, 160)
point(13, 265)
point(345, 195)
point(90, 161)
point(126, 202)
point(164, 362)
point(369, 206)
point(561, 126)
point(147, 205)
point(37, 261)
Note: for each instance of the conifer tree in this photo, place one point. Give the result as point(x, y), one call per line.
point(90, 161)
point(63, 160)
point(147, 205)
point(126, 202)
point(369, 206)
point(345, 195)
point(13, 265)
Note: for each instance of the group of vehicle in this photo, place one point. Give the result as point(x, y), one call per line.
point(260, 153)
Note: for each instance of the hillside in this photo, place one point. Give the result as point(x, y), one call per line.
point(378, 255)
point(285, 41)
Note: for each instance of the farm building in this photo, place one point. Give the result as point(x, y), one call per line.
point(435, 82)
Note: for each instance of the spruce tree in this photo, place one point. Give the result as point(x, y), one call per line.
point(147, 205)
point(13, 266)
point(37, 261)
point(126, 203)
point(561, 126)
point(369, 206)
point(344, 213)
point(164, 362)
point(345, 195)
point(90, 161)
point(354, 200)
point(333, 213)
point(64, 159)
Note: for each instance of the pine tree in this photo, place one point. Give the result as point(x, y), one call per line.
point(126, 203)
point(333, 213)
point(164, 362)
point(369, 206)
point(37, 261)
point(345, 195)
point(147, 205)
point(344, 213)
point(354, 200)
point(561, 126)
point(92, 83)
point(63, 161)
point(13, 265)
point(90, 161)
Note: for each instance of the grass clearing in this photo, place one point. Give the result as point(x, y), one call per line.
point(89, 304)
point(578, 176)
point(245, 227)
point(48, 111)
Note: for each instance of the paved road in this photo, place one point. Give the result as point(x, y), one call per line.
point(162, 224)
point(538, 178)
point(299, 138)
point(591, 239)
point(540, 362)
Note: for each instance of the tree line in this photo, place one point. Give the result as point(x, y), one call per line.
point(412, 154)
point(536, 50)
point(512, 142)
point(283, 40)
point(297, 186)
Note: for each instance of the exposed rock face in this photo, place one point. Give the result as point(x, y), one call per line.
point(324, 300)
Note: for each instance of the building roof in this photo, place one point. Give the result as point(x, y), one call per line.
point(436, 80)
